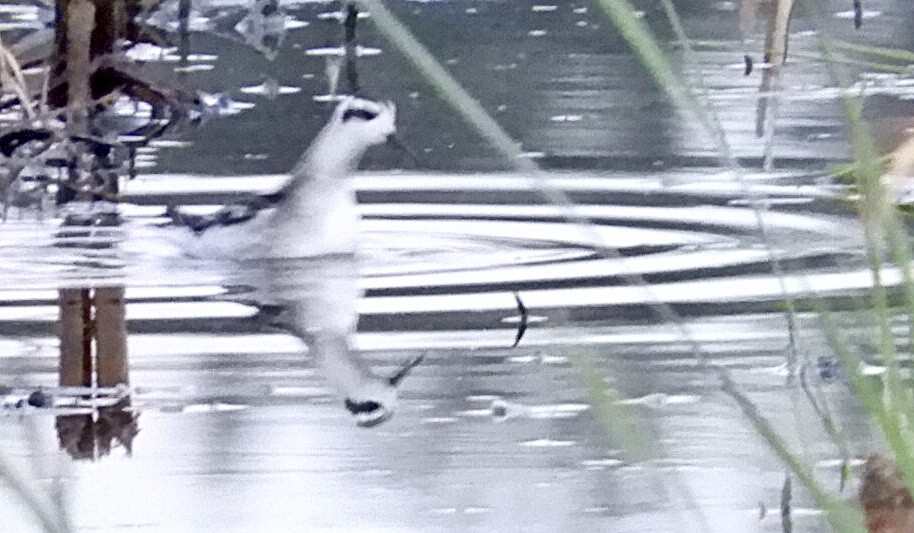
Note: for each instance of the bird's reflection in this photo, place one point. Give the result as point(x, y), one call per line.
point(316, 301)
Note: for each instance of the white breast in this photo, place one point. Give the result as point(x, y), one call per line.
point(321, 219)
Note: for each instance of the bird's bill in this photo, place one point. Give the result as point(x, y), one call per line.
point(404, 371)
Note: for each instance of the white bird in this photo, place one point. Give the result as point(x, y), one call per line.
point(315, 213)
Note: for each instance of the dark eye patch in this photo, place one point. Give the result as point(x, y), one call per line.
point(361, 407)
point(363, 114)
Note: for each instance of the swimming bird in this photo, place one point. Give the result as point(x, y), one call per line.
point(312, 216)
point(315, 213)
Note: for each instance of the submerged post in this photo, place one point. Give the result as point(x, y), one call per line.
point(88, 436)
point(75, 338)
point(78, 327)
point(110, 337)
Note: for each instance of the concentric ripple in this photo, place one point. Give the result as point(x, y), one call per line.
point(439, 246)
point(696, 245)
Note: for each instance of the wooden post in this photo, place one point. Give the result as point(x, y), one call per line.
point(84, 436)
point(77, 328)
point(109, 25)
point(80, 25)
point(110, 337)
point(75, 338)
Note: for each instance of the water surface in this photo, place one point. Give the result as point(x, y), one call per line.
point(239, 430)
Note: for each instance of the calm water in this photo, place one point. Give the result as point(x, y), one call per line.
point(239, 429)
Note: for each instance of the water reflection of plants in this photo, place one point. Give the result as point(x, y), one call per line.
point(890, 413)
point(75, 114)
point(883, 495)
point(80, 154)
point(85, 182)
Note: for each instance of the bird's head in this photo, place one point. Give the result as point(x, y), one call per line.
point(356, 125)
point(372, 406)
point(360, 123)
point(375, 401)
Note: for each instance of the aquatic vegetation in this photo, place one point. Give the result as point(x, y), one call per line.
point(590, 267)
point(890, 411)
point(876, 212)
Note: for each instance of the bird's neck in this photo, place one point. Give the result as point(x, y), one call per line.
point(340, 366)
point(330, 156)
point(318, 214)
point(316, 217)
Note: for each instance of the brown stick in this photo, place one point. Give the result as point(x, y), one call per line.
point(111, 337)
point(75, 338)
point(80, 23)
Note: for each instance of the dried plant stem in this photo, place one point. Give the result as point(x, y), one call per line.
point(11, 78)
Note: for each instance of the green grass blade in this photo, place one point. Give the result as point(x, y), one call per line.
point(893, 54)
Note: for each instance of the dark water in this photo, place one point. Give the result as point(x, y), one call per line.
point(239, 429)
